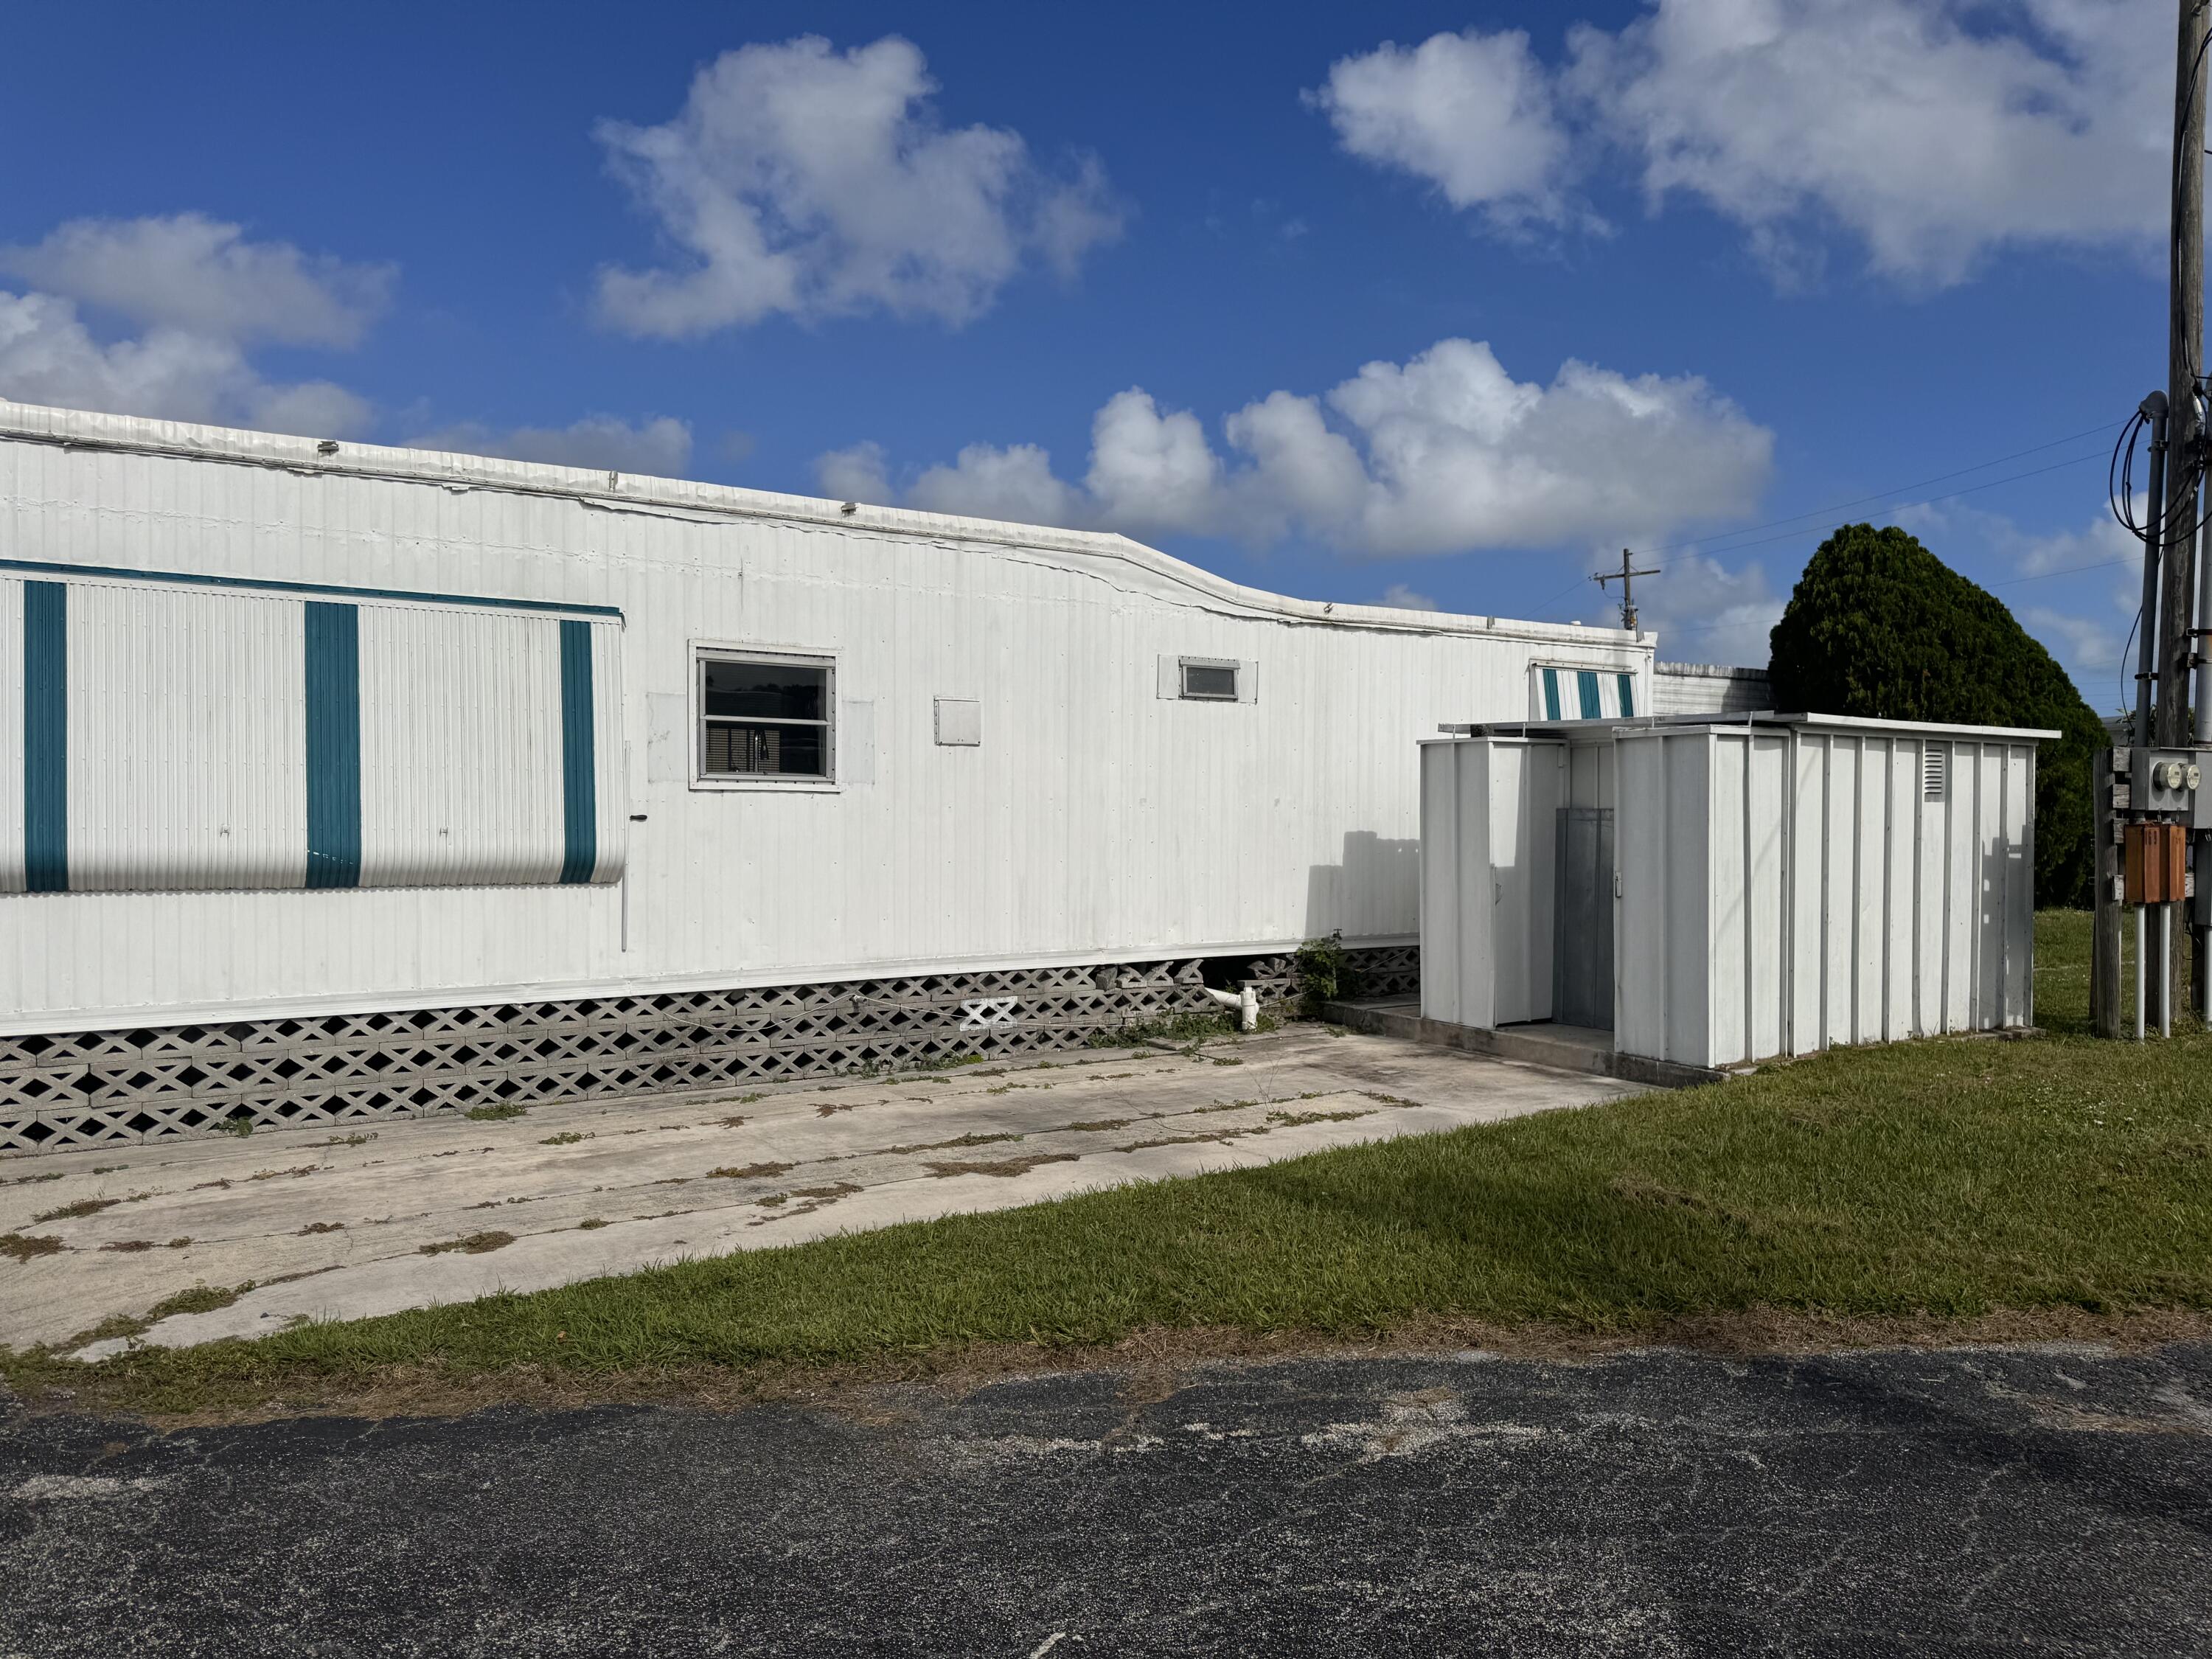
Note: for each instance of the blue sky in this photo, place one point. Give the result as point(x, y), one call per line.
point(1443, 303)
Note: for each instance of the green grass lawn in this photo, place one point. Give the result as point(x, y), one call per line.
point(1952, 1178)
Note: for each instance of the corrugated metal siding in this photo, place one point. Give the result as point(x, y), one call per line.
point(1696, 689)
point(193, 747)
point(185, 765)
point(1845, 906)
point(1095, 818)
point(460, 749)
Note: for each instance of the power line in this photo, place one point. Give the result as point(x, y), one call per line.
point(2070, 570)
point(1710, 544)
point(1948, 495)
point(1992, 483)
point(2010, 581)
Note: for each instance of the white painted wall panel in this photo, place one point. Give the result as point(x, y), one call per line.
point(1902, 973)
point(1727, 926)
point(1528, 784)
point(1641, 852)
point(185, 758)
point(1871, 893)
point(1489, 849)
point(1688, 903)
point(1768, 969)
point(1805, 1009)
point(1839, 772)
point(2018, 841)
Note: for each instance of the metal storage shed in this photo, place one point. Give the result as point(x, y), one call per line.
point(1715, 893)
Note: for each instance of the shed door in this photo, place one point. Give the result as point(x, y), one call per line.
point(1582, 925)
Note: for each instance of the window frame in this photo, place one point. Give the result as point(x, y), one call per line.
point(706, 651)
point(1184, 665)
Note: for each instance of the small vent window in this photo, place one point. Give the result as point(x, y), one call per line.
point(765, 717)
point(1209, 681)
point(1935, 773)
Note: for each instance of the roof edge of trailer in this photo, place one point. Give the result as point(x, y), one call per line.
point(1734, 722)
point(72, 429)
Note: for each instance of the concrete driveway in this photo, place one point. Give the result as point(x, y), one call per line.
point(385, 1216)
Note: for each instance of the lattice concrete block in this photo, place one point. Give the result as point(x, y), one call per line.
point(81, 1089)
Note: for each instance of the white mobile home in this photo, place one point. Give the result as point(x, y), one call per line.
point(442, 777)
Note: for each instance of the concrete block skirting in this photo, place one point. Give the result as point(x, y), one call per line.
point(1563, 1047)
point(88, 1088)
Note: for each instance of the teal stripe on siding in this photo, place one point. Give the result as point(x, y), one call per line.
point(580, 806)
point(333, 664)
point(1627, 696)
point(255, 584)
point(1586, 682)
point(46, 736)
point(1550, 694)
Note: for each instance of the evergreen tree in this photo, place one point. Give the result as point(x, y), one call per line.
point(1879, 626)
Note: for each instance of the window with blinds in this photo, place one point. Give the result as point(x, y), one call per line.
point(766, 717)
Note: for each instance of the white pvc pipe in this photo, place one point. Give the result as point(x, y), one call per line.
point(1245, 1002)
point(2165, 970)
point(2139, 973)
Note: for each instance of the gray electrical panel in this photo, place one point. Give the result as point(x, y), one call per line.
point(2165, 780)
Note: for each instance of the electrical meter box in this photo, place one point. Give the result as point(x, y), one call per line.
point(2165, 780)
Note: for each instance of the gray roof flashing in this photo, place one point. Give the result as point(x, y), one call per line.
point(1630, 725)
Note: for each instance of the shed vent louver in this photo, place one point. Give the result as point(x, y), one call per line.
point(1933, 772)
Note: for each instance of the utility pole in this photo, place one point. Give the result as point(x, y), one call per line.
point(2177, 643)
point(1626, 577)
point(2185, 428)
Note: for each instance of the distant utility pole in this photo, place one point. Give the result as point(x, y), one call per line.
point(1626, 577)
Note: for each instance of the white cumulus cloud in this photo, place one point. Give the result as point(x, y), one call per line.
point(659, 447)
point(1935, 133)
point(1443, 453)
point(47, 355)
point(1015, 484)
point(1472, 113)
point(201, 276)
point(803, 181)
point(859, 473)
point(201, 293)
point(1703, 611)
point(1403, 597)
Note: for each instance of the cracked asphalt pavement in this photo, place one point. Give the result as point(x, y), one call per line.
point(2019, 1501)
